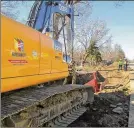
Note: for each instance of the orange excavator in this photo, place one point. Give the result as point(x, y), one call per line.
point(34, 71)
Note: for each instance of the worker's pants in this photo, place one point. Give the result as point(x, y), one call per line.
point(120, 67)
point(125, 67)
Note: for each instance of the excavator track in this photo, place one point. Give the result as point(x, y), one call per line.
point(45, 106)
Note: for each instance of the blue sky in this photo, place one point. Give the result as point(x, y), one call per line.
point(120, 20)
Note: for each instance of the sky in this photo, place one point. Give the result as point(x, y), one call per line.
point(120, 21)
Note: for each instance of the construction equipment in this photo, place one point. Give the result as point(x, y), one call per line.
point(32, 55)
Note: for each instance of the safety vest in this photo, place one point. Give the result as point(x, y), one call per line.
point(125, 62)
point(120, 62)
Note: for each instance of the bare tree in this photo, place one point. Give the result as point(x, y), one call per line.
point(107, 51)
point(85, 30)
point(82, 9)
point(112, 52)
point(11, 8)
point(7, 8)
point(118, 52)
point(118, 3)
point(80, 13)
point(94, 32)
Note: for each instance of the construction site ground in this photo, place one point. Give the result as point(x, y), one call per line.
point(131, 108)
point(111, 106)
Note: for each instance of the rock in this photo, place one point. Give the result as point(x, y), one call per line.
point(112, 106)
point(101, 98)
point(108, 121)
point(40, 86)
point(126, 109)
point(126, 104)
point(83, 124)
point(118, 110)
point(94, 109)
point(101, 110)
point(106, 111)
point(119, 104)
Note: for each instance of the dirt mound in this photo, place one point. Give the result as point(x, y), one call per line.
point(102, 114)
point(111, 106)
point(83, 77)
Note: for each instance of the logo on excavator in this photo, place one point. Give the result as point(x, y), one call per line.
point(19, 45)
point(18, 52)
point(18, 48)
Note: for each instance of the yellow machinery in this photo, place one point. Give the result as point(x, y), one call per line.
point(31, 57)
point(28, 57)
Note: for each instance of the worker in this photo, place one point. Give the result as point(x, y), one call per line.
point(120, 64)
point(125, 64)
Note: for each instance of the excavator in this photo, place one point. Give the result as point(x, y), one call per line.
point(33, 70)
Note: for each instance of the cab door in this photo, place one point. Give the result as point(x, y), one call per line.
point(46, 54)
point(58, 65)
point(57, 59)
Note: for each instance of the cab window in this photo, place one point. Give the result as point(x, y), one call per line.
point(61, 27)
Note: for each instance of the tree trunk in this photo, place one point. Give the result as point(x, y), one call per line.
point(84, 58)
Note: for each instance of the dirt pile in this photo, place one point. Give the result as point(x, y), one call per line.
point(83, 77)
point(111, 106)
point(107, 110)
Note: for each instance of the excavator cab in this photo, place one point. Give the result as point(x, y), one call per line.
point(54, 19)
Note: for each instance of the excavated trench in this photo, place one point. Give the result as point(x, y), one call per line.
point(111, 105)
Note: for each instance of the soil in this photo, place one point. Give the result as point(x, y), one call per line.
point(101, 114)
point(111, 106)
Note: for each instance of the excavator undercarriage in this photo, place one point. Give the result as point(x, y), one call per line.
point(39, 106)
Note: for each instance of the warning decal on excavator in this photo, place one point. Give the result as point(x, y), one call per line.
point(18, 61)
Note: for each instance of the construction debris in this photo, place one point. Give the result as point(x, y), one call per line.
point(112, 106)
point(118, 110)
point(119, 104)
